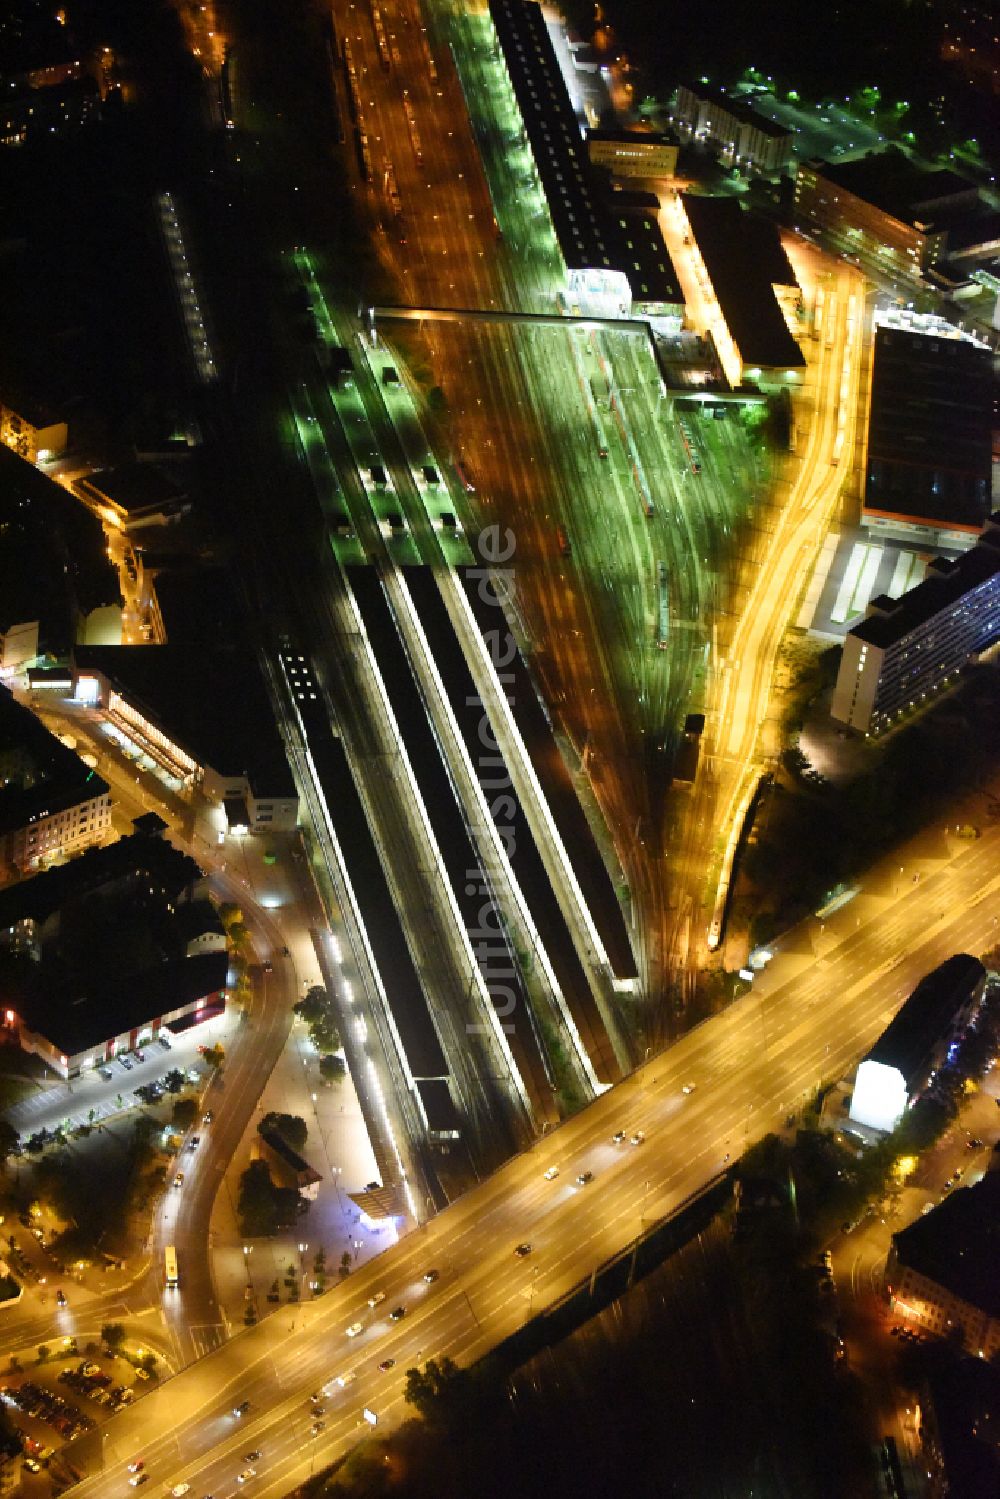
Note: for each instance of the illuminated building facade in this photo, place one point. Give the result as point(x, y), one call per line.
point(909, 648)
point(883, 211)
point(51, 804)
point(76, 1007)
point(742, 136)
point(943, 1271)
point(917, 1042)
point(30, 431)
point(198, 718)
point(633, 153)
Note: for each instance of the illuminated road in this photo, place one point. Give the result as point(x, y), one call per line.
point(807, 1020)
point(741, 706)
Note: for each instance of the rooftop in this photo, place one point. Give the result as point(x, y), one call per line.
point(958, 1245)
point(739, 110)
point(745, 260)
point(946, 583)
point(929, 429)
point(590, 233)
point(891, 182)
point(965, 1398)
point(209, 699)
point(38, 774)
point(910, 1037)
point(143, 851)
point(135, 487)
point(74, 1016)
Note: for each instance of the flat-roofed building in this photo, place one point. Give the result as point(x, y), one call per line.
point(929, 459)
point(633, 153)
point(27, 427)
point(742, 135)
point(605, 275)
point(943, 1271)
point(202, 716)
point(754, 286)
point(909, 648)
point(917, 1042)
point(52, 805)
point(134, 495)
point(883, 210)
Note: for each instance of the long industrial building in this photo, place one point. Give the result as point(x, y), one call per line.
point(906, 649)
point(611, 271)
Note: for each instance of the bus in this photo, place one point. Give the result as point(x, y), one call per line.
point(170, 1266)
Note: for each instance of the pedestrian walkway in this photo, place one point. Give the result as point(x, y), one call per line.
point(337, 1144)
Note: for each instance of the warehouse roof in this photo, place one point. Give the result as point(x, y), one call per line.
point(745, 260)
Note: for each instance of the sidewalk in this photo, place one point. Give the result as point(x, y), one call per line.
point(337, 1145)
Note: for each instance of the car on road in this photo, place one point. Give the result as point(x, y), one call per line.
point(317, 1427)
point(251, 1457)
point(688, 1088)
point(386, 1365)
point(345, 1379)
point(137, 1466)
point(246, 1475)
point(376, 1298)
point(355, 1328)
point(268, 966)
point(522, 1251)
point(194, 1142)
point(397, 1314)
point(585, 1178)
point(637, 1138)
point(315, 1397)
point(31, 1465)
point(242, 1408)
point(179, 1489)
point(552, 1173)
point(618, 1137)
point(207, 1117)
point(60, 1298)
point(137, 1479)
point(179, 1179)
point(430, 1276)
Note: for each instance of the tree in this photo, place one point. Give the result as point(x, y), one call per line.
point(43, 1353)
point(442, 1392)
point(291, 1127)
point(113, 1336)
point(255, 1205)
point(332, 1068)
point(184, 1113)
point(214, 1055)
point(9, 1140)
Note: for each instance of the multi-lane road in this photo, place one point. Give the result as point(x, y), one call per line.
point(812, 1013)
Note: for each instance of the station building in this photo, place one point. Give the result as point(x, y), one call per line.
point(943, 1271)
point(200, 718)
point(909, 648)
point(742, 136)
point(929, 458)
point(611, 270)
point(110, 950)
point(52, 805)
point(753, 284)
point(917, 1042)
